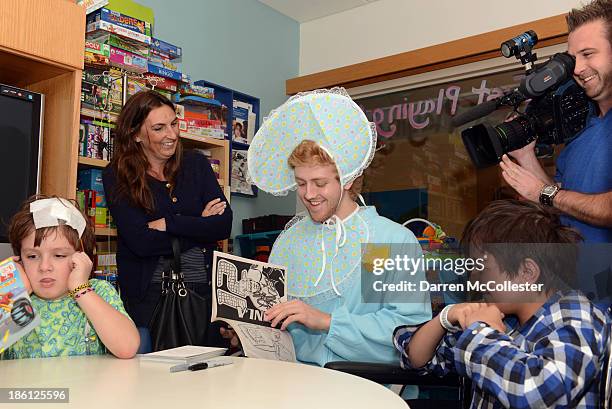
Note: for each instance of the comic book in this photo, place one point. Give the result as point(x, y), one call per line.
point(17, 316)
point(239, 174)
point(243, 290)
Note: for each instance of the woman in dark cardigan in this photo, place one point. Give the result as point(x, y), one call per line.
point(155, 191)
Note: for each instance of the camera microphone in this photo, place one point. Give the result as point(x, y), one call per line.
point(478, 111)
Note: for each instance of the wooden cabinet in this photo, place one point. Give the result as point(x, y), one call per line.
point(41, 49)
point(220, 151)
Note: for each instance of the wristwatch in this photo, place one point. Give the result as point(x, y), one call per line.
point(445, 322)
point(548, 193)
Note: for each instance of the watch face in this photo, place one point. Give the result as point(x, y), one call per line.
point(549, 190)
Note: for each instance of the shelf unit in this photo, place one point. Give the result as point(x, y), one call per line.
point(226, 96)
point(249, 242)
point(92, 162)
point(41, 49)
point(220, 151)
point(99, 115)
point(105, 231)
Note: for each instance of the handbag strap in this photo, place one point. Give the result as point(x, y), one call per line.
point(174, 281)
point(176, 264)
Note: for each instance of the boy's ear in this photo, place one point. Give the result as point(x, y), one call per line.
point(348, 185)
point(529, 271)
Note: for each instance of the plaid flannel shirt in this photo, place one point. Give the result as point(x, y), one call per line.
point(553, 361)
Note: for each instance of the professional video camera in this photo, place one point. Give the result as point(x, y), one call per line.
point(556, 113)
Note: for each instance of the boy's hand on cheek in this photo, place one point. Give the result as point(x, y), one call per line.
point(458, 312)
point(81, 269)
point(22, 274)
point(489, 314)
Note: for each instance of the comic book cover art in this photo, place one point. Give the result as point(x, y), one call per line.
point(240, 182)
point(17, 316)
point(243, 290)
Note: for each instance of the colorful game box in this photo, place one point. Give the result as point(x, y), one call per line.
point(165, 50)
point(91, 179)
point(96, 77)
point(112, 40)
point(164, 72)
point(197, 91)
point(17, 316)
point(164, 63)
point(94, 96)
point(135, 85)
point(161, 82)
point(202, 127)
point(97, 47)
point(94, 59)
point(117, 23)
point(128, 61)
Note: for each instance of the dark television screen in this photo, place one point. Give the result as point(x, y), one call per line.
point(20, 126)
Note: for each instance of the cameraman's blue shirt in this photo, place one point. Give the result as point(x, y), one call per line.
point(585, 166)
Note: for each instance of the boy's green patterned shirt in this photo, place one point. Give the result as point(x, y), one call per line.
point(64, 329)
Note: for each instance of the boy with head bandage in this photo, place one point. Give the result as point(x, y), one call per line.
point(53, 246)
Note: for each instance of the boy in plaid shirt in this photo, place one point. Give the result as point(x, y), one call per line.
point(554, 355)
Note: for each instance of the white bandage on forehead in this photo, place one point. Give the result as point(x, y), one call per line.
point(49, 212)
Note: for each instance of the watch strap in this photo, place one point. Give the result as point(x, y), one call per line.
point(443, 316)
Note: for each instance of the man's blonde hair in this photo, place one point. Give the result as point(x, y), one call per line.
point(309, 153)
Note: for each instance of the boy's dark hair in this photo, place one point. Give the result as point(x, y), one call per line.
point(513, 230)
point(22, 224)
point(596, 10)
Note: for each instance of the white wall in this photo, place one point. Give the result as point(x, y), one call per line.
point(388, 27)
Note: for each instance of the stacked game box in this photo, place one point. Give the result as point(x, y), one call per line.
point(109, 21)
point(116, 51)
point(203, 115)
point(91, 196)
point(162, 61)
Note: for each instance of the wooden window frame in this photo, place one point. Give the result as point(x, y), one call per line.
point(551, 31)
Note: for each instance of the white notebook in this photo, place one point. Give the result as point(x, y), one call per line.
point(184, 354)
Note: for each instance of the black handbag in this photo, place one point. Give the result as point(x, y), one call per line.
point(181, 317)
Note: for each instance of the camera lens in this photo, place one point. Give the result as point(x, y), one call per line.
point(486, 144)
point(482, 144)
point(514, 134)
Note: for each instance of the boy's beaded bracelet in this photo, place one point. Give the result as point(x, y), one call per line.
point(85, 291)
point(72, 293)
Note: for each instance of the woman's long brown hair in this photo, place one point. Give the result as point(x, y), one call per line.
point(129, 162)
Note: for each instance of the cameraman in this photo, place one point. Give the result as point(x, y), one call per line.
point(582, 188)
